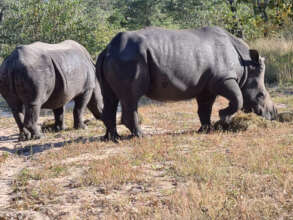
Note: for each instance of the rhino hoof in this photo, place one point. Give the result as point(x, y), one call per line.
point(58, 128)
point(205, 129)
point(138, 134)
point(115, 137)
point(37, 136)
point(24, 136)
point(80, 126)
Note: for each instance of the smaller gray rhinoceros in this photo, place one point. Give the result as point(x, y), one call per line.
point(173, 65)
point(42, 75)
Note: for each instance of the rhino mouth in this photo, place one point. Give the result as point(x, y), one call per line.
point(269, 114)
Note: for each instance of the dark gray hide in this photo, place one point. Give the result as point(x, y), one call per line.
point(43, 75)
point(172, 65)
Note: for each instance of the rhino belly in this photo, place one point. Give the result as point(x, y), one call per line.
point(57, 101)
point(164, 88)
point(62, 94)
point(67, 87)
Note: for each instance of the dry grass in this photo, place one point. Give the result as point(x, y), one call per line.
point(111, 173)
point(3, 158)
point(171, 173)
point(281, 46)
point(243, 122)
point(279, 59)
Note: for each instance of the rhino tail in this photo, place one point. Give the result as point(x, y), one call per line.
point(59, 73)
point(99, 66)
point(96, 103)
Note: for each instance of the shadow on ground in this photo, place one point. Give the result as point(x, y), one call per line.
point(10, 138)
point(30, 149)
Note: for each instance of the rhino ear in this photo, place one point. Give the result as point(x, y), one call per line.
point(254, 55)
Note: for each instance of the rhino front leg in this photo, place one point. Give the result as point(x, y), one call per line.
point(31, 117)
point(59, 119)
point(80, 103)
point(231, 91)
point(205, 105)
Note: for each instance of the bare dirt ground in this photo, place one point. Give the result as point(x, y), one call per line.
point(20, 157)
point(173, 172)
point(11, 167)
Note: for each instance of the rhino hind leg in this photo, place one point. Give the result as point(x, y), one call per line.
point(205, 104)
point(31, 117)
point(24, 134)
point(18, 114)
point(231, 91)
point(129, 97)
point(59, 119)
point(80, 103)
point(109, 114)
point(130, 116)
point(17, 109)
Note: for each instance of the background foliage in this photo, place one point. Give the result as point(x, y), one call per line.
point(94, 22)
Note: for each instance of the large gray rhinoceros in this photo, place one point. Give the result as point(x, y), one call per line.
point(42, 75)
point(172, 65)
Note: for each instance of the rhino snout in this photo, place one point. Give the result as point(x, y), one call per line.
point(271, 113)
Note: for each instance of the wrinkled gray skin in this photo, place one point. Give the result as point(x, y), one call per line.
point(173, 65)
point(43, 75)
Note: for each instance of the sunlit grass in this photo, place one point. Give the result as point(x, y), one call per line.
point(111, 173)
point(171, 173)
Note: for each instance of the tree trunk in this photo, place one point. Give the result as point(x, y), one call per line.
point(235, 28)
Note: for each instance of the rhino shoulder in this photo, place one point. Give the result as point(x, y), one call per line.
point(241, 47)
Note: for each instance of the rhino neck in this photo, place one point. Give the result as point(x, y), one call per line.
point(242, 50)
point(244, 75)
point(246, 65)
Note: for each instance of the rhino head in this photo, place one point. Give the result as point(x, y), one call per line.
point(255, 96)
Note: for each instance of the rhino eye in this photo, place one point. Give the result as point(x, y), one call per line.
point(260, 95)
